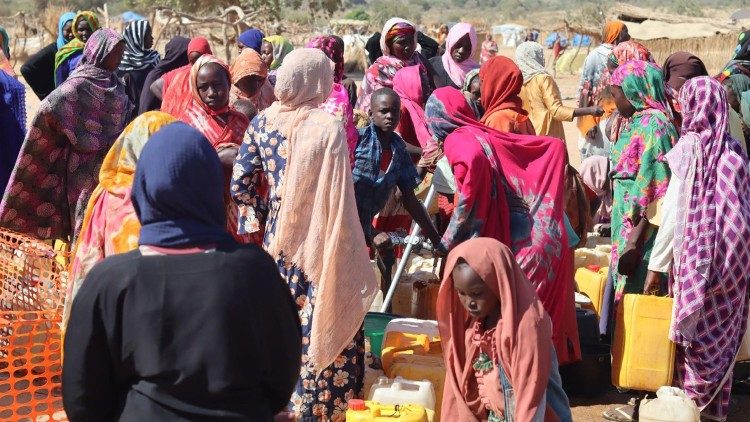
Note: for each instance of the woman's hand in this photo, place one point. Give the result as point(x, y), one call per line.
point(653, 283)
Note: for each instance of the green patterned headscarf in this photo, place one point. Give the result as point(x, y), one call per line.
point(281, 47)
point(643, 85)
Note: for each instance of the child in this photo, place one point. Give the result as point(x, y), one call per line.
point(382, 163)
point(497, 340)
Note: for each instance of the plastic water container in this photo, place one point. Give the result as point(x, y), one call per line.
point(428, 367)
point(414, 326)
point(642, 354)
point(591, 282)
point(409, 336)
point(587, 256)
point(403, 391)
point(670, 405)
point(375, 323)
point(416, 295)
point(367, 411)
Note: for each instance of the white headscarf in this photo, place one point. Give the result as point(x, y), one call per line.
point(530, 59)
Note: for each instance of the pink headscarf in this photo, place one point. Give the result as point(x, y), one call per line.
point(408, 85)
point(458, 71)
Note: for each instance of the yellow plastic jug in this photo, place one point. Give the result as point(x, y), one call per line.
point(591, 282)
point(367, 411)
point(428, 367)
point(642, 354)
point(584, 257)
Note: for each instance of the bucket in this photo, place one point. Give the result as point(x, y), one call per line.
point(375, 323)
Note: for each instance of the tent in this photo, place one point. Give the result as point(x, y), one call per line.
point(131, 16)
point(513, 34)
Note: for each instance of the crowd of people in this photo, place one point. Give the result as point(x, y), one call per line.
point(222, 217)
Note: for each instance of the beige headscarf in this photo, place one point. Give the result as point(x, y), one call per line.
point(318, 227)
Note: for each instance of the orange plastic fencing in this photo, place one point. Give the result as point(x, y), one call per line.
point(32, 291)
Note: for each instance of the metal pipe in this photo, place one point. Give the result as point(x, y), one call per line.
point(405, 257)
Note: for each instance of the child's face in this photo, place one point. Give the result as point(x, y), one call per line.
point(475, 88)
point(474, 295)
point(385, 112)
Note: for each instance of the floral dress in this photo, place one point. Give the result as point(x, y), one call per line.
point(318, 396)
point(641, 176)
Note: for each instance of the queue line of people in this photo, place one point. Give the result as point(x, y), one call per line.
point(510, 180)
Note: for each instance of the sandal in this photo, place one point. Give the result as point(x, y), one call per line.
point(626, 413)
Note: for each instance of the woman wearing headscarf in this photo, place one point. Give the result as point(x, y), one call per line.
point(349, 84)
point(12, 120)
point(541, 95)
point(69, 56)
point(489, 49)
point(740, 63)
point(735, 85)
point(621, 53)
point(251, 38)
point(399, 45)
point(139, 59)
point(338, 102)
point(138, 315)
point(110, 225)
point(640, 173)
point(502, 82)
point(174, 87)
point(250, 80)
point(681, 67)
point(175, 56)
point(511, 188)
point(59, 162)
point(272, 51)
point(590, 90)
point(39, 69)
point(211, 113)
point(705, 241)
point(451, 67)
point(312, 229)
point(497, 346)
point(472, 90)
point(412, 126)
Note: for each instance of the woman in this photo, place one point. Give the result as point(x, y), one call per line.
point(541, 95)
point(499, 358)
point(139, 58)
point(209, 111)
point(138, 316)
point(272, 51)
point(621, 53)
point(590, 90)
point(69, 56)
point(412, 126)
point(60, 158)
point(110, 225)
point(251, 38)
point(511, 188)
point(312, 236)
point(681, 67)
point(502, 82)
point(39, 69)
point(12, 121)
point(451, 67)
point(250, 80)
point(399, 46)
point(175, 56)
point(174, 87)
point(338, 102)
point(639, 171)
point(711, 247)
point(5, 64)
point(489, 49)
point(740, 63)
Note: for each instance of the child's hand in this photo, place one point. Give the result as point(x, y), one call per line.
point(382, 241)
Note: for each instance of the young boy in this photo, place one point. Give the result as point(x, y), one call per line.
point(382, 163)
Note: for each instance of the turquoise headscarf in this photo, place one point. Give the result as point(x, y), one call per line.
point(65, 18)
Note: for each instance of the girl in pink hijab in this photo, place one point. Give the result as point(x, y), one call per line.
point(451, 68)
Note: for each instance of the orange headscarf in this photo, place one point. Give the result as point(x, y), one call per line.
point(248, 63)
point(522, 338)
point(612, 31)
point(502, 81)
